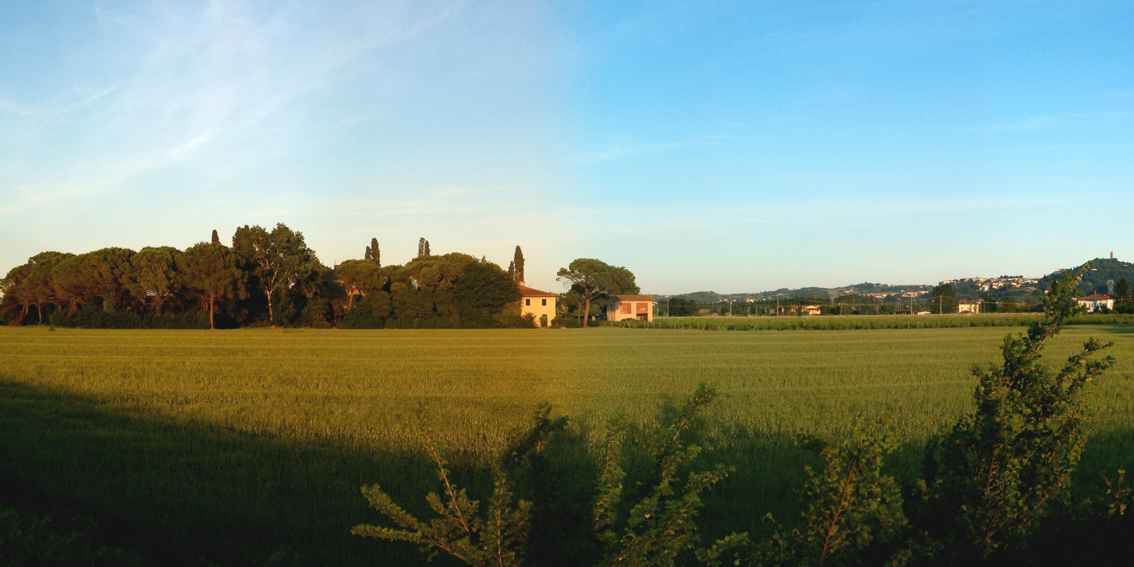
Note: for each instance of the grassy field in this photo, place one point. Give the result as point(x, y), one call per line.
point(249, 446)
point(862, 322)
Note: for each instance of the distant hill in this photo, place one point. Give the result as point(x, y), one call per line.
point(1100, 276)
point(809, 293)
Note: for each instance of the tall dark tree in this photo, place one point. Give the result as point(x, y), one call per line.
point(29, 285)
point(518, 262)
point(483, 290)
point(1122, 290)
point(373, 254)
point(16, 291)
point(278, 259)
point(422, 248)
point(210, 271)
point(39, 281)
point(216, 238)
point(593, 279)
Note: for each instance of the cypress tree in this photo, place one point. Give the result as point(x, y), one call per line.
point(518, 262)
point(216, 237)
point(375, 254)
point(422, 248)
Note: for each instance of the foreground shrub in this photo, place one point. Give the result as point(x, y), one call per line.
point(498, 537)
point(660, 528)
point(993, 478)
point(853, 511)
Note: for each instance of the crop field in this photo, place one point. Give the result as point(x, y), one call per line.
point(861, 322)
point(249, 446)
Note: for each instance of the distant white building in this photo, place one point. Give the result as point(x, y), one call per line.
point(1096, 302)
point(969, 305)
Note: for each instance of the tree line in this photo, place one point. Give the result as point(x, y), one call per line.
point(264, 277)
point(272, 277)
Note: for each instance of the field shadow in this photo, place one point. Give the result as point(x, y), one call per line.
point(200, 494)
point(196, 494)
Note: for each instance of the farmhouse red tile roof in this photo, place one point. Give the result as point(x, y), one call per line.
point(526, 291)
point(634, 297)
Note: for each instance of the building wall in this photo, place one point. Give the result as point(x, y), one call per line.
point(1097, 305)
point(537, 307)
point(968, 308)
point(618, 311)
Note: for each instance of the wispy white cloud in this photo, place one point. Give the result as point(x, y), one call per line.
point(205, 76)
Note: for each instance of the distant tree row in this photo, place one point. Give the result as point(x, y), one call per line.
point(266, 277)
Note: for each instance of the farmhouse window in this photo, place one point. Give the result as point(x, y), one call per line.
point(543, 302)
point(625, 307)
point(528, 301)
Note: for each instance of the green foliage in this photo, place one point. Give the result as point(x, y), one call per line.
point(943, 299)
point(496, 537)
point(516, 268)
point(373, 255)
point(592, 280)
point(660, 528)
point(102, 276)
point(681, 307)
point(267, 277)
point(210, 271)
point(482, 292)
point(994, 477)
point(156, 281)
point(1119, 496)
point(36, 541)
point(274, 261)
point(853, 511)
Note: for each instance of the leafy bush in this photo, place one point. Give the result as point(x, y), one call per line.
point(498, 536)
point(367, 314)
point(994, 477)
point(853, 512)
point(94, 317)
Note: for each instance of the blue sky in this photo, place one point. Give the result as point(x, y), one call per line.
point(728, 146)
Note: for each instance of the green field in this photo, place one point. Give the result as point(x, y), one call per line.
point(867, 322)
point(234, 446)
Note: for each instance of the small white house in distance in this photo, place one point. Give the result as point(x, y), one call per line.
point(1096, 302)
point(811, 310)
point(639, 307)
point(969, 306)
